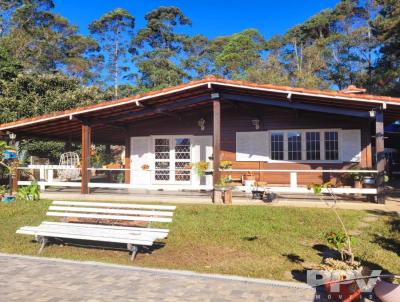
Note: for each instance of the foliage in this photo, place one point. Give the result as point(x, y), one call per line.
point(240, 52)
point(201, 167)
point(157, 48)
point(30, 95)
point(31, 192)
point(3, 190)
point(44, 41)
point(112, 30)
point(338, 240)
point(224, 180)
point(225, 164)
point(386, 28)
point(317, 188)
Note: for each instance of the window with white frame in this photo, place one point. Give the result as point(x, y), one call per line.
point(331, 145)
point(305, 145)
point(294, 145)
point(313, 145)
point(277, 146)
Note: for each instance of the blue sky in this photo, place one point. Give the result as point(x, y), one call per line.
point(210, 18)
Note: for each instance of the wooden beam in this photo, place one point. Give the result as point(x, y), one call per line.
point(295, 105)
point(85, 164)
point(154, 110)
point(216, 140)
point(127, 159)
point(380, 156)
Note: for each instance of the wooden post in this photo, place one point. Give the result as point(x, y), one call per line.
point(216, 140)
point(86, 143)
point(14, 176)
point(380, 156)
point(127, 159)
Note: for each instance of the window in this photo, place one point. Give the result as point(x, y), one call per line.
point(331, 145)
point(162, 156)
point(313, 146)
point(277, 142)
point(305, 145)
point(182, 159)
point(294, 145)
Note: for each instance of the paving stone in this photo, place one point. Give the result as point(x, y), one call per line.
point(40, 279)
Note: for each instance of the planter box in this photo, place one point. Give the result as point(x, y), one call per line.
point(222, 196)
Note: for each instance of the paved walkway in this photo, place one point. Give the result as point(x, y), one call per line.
point(24, 278)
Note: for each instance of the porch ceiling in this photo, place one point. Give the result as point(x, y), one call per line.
point(110, 120)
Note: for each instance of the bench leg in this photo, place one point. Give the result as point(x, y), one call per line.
point(43, 241)
point(133, 249)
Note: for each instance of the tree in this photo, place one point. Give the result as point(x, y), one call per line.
point(242, 51)
point(386, 27)
point(30, 95)
point(113, 31)
point(9, 67)
point(198, 62)
point(158, 47)
point(44, 41)
point(269, 71)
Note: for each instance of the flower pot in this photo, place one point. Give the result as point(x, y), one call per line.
point(348, 292)
point(8, 198)
point(386, 291)
point(358, 184)
point(257, 194)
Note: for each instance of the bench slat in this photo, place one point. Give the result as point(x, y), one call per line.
point(84, 237)
point(92, 232)
point(111, 217)
point(149, 230)
point(114, 205)
point(111, 211)
point(101, 231)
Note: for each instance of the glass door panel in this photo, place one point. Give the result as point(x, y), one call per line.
point(162, 154)
point(182, 160)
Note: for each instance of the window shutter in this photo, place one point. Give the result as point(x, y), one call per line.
point(140, 155)
point(351, 145)
point(252, 146)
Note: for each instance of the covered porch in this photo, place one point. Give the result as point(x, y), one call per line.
point(280, 138)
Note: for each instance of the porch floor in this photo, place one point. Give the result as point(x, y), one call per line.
point(197, 197)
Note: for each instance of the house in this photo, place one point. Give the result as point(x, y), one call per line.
point(287, 137)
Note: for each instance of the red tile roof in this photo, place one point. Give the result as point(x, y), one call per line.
point(207, 80)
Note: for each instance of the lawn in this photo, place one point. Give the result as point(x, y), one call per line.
point(256, 241)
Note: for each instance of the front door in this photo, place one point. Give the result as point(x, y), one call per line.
point(172, 159)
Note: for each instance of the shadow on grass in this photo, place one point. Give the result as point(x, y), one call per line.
point(325, 251)
point(294, 258)
point(100, 245)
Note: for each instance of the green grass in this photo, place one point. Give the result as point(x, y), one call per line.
point(257, 241)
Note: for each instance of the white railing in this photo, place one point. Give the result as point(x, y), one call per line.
point(293, 184)
point(47, 178)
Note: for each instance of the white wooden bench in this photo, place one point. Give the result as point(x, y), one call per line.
point(103, 213)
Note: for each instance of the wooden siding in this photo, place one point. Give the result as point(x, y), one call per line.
point(237, 117)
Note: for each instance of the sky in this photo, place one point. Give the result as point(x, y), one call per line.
point(210, 18)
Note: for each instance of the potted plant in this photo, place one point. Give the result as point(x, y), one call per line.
point(3, 191)
point(30, 193)
point(258, 190)
point(249, 179)
point(345, 267)
point(223, 190)
point(201, 167)
point(225, 164)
